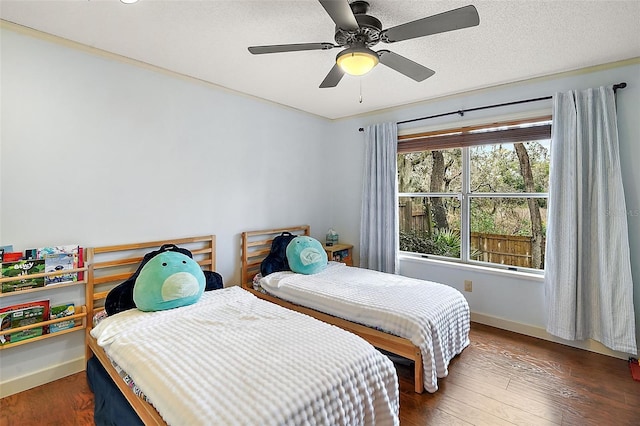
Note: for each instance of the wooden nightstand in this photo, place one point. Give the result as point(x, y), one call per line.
point(340, 253)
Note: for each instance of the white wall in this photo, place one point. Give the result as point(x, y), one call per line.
point(98, 151)
point(510, 300)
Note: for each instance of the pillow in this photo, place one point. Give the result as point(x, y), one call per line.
point(306, 255)
point(169, 280)
point(120, 298)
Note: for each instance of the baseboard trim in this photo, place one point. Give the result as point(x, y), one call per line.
point(541, 333)
point(41, 377)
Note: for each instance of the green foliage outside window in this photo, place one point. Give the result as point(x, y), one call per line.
point(441, 242)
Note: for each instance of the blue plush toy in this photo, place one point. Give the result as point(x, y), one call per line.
point(167, 281)
point(306, 255)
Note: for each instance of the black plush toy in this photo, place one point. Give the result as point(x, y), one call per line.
point(276, 260)
point(120, 298)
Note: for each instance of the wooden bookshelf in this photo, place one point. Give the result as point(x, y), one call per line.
point(79, 318)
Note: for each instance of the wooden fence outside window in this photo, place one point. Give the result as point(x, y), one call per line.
point(512, 250)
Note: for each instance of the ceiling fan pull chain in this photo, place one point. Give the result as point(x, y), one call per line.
point(360, 90)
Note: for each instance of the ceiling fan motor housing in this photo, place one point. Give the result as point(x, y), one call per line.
point(368, 33)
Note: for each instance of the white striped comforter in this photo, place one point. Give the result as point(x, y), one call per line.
point(435, 317)
point(232, 358)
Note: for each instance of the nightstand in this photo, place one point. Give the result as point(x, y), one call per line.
point(340, 253)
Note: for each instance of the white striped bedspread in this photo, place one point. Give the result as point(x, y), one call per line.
point(234, 359)
point(435, 317)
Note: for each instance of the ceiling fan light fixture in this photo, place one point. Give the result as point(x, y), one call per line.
point(357, 60)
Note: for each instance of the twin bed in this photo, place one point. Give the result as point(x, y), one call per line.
point(230, 358)
point(237, 356)
point(425, 322)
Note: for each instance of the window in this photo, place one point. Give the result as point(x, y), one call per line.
point(476, 194)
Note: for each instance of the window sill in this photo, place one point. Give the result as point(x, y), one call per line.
point(475, 268)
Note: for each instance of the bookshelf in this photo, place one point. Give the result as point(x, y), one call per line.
point(79, 318)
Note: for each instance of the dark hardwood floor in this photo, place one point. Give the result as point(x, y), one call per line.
point(502, 378)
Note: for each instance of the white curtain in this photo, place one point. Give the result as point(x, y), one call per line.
point(588, 283)
point(379, 224)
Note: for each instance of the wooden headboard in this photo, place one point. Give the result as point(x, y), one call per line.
point(255, 247)
point(109, 266)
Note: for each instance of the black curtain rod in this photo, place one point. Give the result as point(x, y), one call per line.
point(461, 112)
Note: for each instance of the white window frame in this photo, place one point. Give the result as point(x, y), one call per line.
point(465, 197)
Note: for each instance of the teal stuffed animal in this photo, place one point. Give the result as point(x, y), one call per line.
point(306, 255)
point(167, 281)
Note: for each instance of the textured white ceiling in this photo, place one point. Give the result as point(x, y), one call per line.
point(208, 40)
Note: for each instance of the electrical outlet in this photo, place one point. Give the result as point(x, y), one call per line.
point(468, 285)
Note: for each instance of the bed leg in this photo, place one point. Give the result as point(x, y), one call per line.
point(418, 373)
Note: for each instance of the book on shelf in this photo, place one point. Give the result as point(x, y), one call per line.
point(5, 249)
point(80, 263)
point(60, 258)
point(21, 315)
point(20, 270)
point(57, 262)
point(11, 256)
point(61, 311)
point(30, 254)
point(341, 255)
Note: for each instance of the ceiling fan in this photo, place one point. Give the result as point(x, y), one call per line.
point(357, 32)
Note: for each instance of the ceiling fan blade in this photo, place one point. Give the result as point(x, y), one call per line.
point(277, 48)
point(455, 19)
point(341, 13)
point(404, 66)
point(333, 78)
